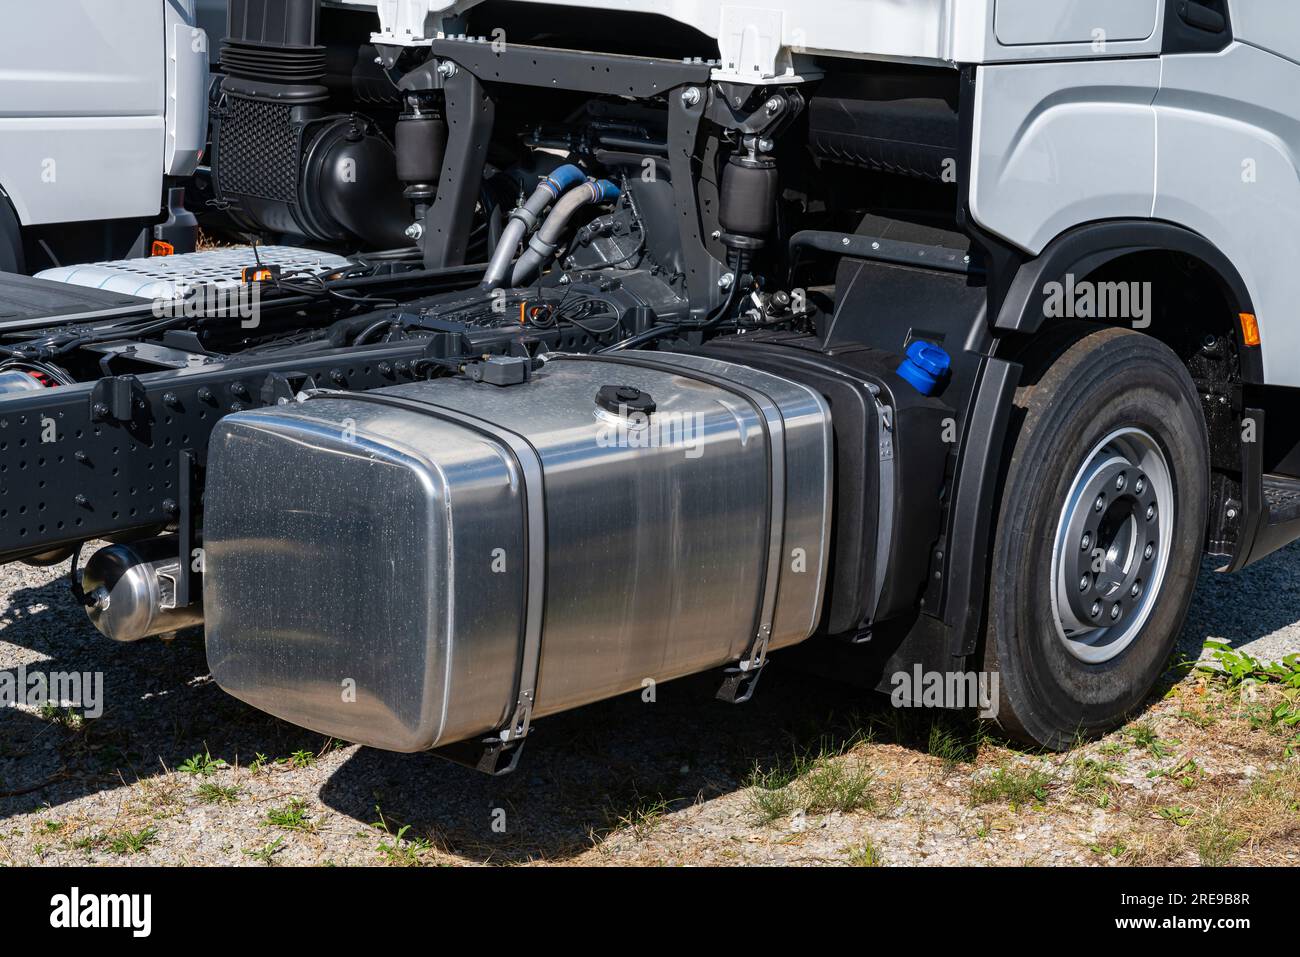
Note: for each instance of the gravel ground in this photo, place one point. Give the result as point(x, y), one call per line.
point(1199, 777)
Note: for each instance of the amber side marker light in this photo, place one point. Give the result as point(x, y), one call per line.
point(160, 248)
point(1249, 329)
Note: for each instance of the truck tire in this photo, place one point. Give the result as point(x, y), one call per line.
point(1099, 533)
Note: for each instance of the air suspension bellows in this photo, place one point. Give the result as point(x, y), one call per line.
point(421, 142)
point(747, 205)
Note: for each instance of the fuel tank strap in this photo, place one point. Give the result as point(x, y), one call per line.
point(530, 471)
point(769, 414)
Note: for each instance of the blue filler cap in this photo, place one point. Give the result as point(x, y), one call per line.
point(925, 366)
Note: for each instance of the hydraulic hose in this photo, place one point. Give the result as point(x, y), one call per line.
point(544, 242)
point(523, 218)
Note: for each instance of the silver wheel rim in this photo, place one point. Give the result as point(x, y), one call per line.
point(1112, 545)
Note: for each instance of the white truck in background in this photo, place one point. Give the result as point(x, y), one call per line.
point(103, 106)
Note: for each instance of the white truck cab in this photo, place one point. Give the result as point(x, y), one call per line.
point(91, 135)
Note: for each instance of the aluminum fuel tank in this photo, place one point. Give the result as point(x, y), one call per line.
point(412, 566)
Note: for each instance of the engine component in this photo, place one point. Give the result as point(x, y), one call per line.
point(452, 558)
point(282, 161)
point(289, 168)
point(544, 242)
point(131, 590)
point(524, 218)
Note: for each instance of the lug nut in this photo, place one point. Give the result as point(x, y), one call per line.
point(1114, 612)
point(1084, 582)
point(1135, 590)
point(1151, 512)
point(1096, 609)
point(1150, 550)
point(1086, 542)
point(1120, 480)
point(1098, 505)
point(1140, 485)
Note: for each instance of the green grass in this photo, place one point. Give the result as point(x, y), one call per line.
point(817, 783)
point(267, 851)
point(771, 794)
point(1181, 816)
point(1092, 780)
point(953, 746)
point(642, 817)
point(398, 849)
point(1011, 785)
point(292, 817)
point(866, 854)
point(1217, 840)
point(132, 842)
point(1144, 736)
point(1237, 667)
point(213, 793)
point(202, 765)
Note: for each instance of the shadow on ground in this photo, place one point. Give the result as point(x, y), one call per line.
point(583, 772)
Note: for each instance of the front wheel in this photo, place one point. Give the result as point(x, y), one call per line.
point(1099, 535)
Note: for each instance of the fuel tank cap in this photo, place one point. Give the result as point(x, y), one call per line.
point(622, 399)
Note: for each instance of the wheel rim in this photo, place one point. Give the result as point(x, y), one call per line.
point(1112, 545)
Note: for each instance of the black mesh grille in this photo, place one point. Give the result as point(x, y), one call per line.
point(258, 150)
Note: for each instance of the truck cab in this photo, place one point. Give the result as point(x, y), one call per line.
point(90, 139)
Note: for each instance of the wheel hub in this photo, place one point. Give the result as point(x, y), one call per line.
point(1112, 545)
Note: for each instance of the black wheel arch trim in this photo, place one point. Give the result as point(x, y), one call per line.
point(1083, 249)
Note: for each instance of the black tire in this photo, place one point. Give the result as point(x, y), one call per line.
point(1083, 384)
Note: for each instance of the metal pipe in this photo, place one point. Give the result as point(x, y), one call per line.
point(542, 246)
point(523, 219)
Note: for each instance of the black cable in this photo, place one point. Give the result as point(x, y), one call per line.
point(74, 581)
point(664, 329)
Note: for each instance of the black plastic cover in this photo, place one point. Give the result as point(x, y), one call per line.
point(845, 377)
point(889, 122)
